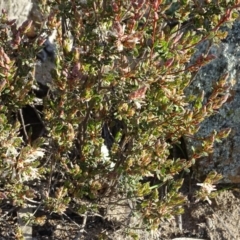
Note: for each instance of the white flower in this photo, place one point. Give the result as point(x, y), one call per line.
point(32, 156)
point(207, 187)
point(29, 174)
point(137, 104)
point(119, 46)
point(12, 151)
point(105, 153)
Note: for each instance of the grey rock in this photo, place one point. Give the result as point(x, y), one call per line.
point(22, 10)
point(17, 9)
point(226, 156)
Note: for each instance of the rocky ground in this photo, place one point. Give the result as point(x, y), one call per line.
point(219, 221)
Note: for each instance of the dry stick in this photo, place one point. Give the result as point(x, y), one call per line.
point(84, 216)
point(50, 177)
point(52, 166)
point(40, 119)
point(179, 217)
point(25, 229)
point(179, 221)
point(71, 220)
point(11, 210)
point(23, 123)
point(83, 225)
point(81, 228)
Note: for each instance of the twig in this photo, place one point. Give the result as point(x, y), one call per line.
point(32, 201)
point(25, 228)
point(23, 123)
point(52, 165)
point(39, 118)
point(179, 221)
point(80, 227)
point(11, 210)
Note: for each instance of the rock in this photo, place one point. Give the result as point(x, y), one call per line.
point(22, 10)
point(226, 155)
point(17, 9)
point(188, 238)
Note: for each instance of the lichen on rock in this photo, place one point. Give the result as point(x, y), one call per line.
point(226, 154)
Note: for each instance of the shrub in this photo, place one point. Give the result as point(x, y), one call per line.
point(122, 84)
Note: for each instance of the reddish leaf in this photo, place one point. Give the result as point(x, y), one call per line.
point(177, 38)
point(138, 94)
point(169, 62)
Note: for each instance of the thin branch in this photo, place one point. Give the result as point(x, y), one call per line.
point(23, 124)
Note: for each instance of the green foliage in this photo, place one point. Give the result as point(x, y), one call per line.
point(129, 64)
